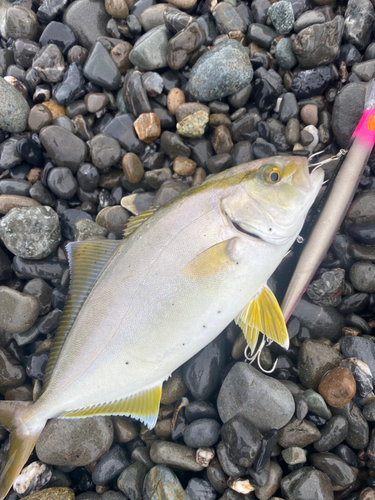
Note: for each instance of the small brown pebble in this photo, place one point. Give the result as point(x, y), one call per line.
point(184, 166)
point(39, 116)
point(132, 168)
point(217, 119)
point(165, 411)
point(367, 494)
point(337, 387)
point(309, 114)
point(174, 99)
point(77, 54)
point(125, 429)
point(9, 201)
point(101, 489)
point(350, 331)
point(34, 175)
point(372, 323)
point(117, 8)
point(163, 428)
point(55, 109)
point(120, 56)
point(199, 176)
point(147, 126)
point(95, 102)
point(222, 141)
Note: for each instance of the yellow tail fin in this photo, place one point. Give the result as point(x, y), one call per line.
point(22, 442)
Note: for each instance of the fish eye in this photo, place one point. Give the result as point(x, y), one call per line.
point(271, 174)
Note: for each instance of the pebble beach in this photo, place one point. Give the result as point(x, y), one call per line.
point(110, 107)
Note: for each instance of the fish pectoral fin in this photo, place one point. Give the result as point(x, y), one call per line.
point(215, 259)
point(136, 221)
point(87, 260)
point(144, 406)
point(263, 314)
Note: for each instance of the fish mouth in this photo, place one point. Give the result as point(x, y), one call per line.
point(242, 230)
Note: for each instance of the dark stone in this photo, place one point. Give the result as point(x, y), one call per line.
point(332, 434)
point(307, 484)
point(242, 440)
point(358, 434)
point(263, 149)
point(101, 69)
point(88, 176)
point(311, 82)
point(72, 87)
point(267, 447)
point(62, 183)
point(135, 95)
point(218, 163)
point(30, 152)
point(347, 111)
point(59, 34)
point(121, 128)
point(24, 51)
point(228, 18)
point(242, 152)
point(68, 220)
point(201, 373)
point(314, 360)
point(358, 322)
point(47, 269)
point(336, 469)
point(15, 186)
point(183, 44)
point(202, 433)
point(110, 466)
point(243, 128)
point(361, 348)
point(359, 19)
point(200, 489)
point(176, 20)
point(36, 365)
point(347, 454)
point(265, 95)
point(288, 107)
point(353, 303)
point(261, 35)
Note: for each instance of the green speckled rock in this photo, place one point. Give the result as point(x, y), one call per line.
point(284, 54)
point(14, 109)
point(220, 72)
point(282, 16)
point(85, 228)
point(52, 494)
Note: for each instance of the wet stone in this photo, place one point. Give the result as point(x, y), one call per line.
point(131, 480)
point(202, 433)
point(110, 466)
point(332, 434)
point(236, 398)
point(62, 183)
point(199, 489)
point(100, 68)
point(104, 150)
point(282, 16)
point(308, 19)
point(321, 321)
point(181, 46)
point(261, 35)
point(359, 17)
point(272, 484)
point(88, 19)
point(30, 152)
point(327, 290)
point(68, 220)
point(311, 82)
point(36, 365)
point(24, 50)
point(362, 276)
point(228, 18)
point(84, 229)
point(60, 35)
point(20, 22)
point(49, 63)
point(121, 128)
point(307, 484)
point(369, 412)
point(319, 44)
point(49, 268)
point(61, 442)
point(353, 303)
point(294, 455)
point(63, 147)
point(162, 482)
point(316, 404)
point(150, 52)
point(18, 312)
point(17, 109)
point(16, 187)
point(242, 440)
point(336, 469)
point(31, 233)
point(72, 87)
point(227, 65)
point(193, 125)
point(298, 433)
point(147, 127)
point(358, 433)
point(314, 360)
point(9, 156)
point(174, 455)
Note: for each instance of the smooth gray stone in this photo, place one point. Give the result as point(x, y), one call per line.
point(272, 484)
point(174, 455)
point(131, 480)
point(337, 470)
point(150, 52)
point(101, 69)
point(361, 348)
point(228, 466)
point(314, 360)
point(14, 108)
point(347, 111)
point(308, 19)
point(298, 433)
point(220, 72)
point(63, 147)
point(358, 433)
point(88, 19)
point(261, 399)
point(284, 54)
point(332, 434)
point(307, 484)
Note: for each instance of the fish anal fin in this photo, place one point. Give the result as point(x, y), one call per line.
point(144, 406)
point(136, 221)
point(215, 259)
point(263, 314)
point(87, 260)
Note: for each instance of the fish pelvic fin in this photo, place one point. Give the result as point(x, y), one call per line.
point(263, 314)
point(144, 406)
point(23, 440)
point(137, 221)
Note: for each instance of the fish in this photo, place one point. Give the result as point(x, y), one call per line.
point(140, 307)
point(335, 204)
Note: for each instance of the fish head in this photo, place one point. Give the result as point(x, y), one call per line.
point(271, 198)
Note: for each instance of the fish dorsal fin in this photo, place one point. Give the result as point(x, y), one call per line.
point(138, 220)
point(86, 261)
point(144, 406)
point(263, 314)
point(215, 259)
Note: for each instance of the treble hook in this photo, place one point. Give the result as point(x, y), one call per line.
point(256, 356)
point(317, 165)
